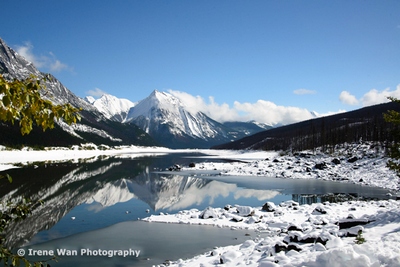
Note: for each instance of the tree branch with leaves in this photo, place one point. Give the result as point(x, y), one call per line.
point(23, 102)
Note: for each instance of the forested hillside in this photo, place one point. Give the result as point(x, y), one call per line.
point(366, 124)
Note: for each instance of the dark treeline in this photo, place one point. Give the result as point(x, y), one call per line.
point(125, 134)
point(365, 124)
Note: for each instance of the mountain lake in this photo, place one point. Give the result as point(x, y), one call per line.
point(94, 207)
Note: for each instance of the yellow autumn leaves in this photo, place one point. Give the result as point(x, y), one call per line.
point(22, 101)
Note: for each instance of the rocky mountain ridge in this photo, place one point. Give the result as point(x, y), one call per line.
point(94, 126)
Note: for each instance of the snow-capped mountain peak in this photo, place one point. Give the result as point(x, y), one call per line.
point(111, 107)
point(90, 99)
point(167, 119)
point(265, 126)
point(159, 100)
point(165, 99)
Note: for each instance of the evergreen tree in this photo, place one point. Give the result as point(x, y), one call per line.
point(393, 117)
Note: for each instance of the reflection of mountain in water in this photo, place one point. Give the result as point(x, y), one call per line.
point(113, 193)
point(107, 182)
point(158, 191)
point(161, 191)
point(59, 195)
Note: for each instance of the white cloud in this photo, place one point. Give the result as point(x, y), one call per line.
point(219, 112)
point(96, 93)
point(347, 98)
point(303, 91)
point(261, 111)
point(269, 112)
point(261, 195)
point(56, 65)
point(372, 97)
point(26, 52)
point(49, 62)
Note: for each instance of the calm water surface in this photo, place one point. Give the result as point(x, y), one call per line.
point(97, 203)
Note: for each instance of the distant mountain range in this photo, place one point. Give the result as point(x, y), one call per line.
point(165, 118)
point(160, 119)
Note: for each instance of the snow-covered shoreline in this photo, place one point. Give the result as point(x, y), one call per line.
point(11, 158)
point(352, 233)
point(321, 234)
point(363, 164)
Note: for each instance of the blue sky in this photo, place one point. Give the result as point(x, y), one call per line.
point(267, 60)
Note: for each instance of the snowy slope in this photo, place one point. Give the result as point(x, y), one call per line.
point(248, 127)
point(163, 108)
point(14, 66)
point(112, 107)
